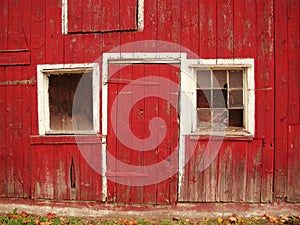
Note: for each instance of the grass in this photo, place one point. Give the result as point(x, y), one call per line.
point(23, 218)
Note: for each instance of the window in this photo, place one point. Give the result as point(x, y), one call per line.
point(223, 98)
point(220, 98)
point(68, 99)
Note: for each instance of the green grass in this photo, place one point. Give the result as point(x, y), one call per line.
point(23, 218)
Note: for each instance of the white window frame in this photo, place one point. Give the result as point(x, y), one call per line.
point(43, 94)
point(191, 127)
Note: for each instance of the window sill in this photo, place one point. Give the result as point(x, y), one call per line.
point(65, 139)
point(227, 135)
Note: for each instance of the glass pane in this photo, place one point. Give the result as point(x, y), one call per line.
point(236, 117)
point(220, 98)
point(203, 98)
point(219, 118)
point(204, 118)
point(236, 98)
point(236, 78)
point(203, 79)
point(219, 79)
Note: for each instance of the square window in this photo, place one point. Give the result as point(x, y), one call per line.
point(68, 99)
point(224, 98)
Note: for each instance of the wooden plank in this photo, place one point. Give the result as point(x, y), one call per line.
point(293, 164)
point(15, 58)
point(38, 43)
point(4, 24)
point(210, 175)
point(26, 131)
point(128, 15)
point(294, 61)
point(244, 29)
point(9, 133)
point(60, 191)
point(198, 175)
point(149, 112)
point(54, 39)
point(3, 168)
point(85, 173)
point(281, 99)
point(111, 137)
point(225, 173)
point(110, 19)
point(18, 143)
point(88, 7)
point(265, 67)
point(16, 38)
point(138, 128)
point(150, 26)
point(74, 48)
point(164, 108)
point(174, 128)
point(75, 15)
point(123, 153)
point(208, 29)
point(97, 170)
point(224, 28)
point(164, 149)
point(254, 171)
point(175, 26)
point(43, 180)
point(239, 184)
point(190, 26)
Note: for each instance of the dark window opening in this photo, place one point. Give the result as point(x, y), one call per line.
point(62, 91)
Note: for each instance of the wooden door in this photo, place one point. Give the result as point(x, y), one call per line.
point(142, 151)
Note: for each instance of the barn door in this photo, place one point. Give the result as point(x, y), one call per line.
point(142, 138)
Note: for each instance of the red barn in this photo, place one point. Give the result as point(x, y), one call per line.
point(150, 101)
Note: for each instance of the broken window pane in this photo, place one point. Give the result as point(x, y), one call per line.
point(204, 117)
point(236, 78)
point(236, 98)
point(219, 118)
point(203, 98)
point(219, 79)
point(236, 118)
point(203, 79)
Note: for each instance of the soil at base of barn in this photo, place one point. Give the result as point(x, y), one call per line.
point(53, 219)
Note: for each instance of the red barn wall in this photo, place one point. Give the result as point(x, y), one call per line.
point(260, 170)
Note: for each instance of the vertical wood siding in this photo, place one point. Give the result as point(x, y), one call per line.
point(260, 170)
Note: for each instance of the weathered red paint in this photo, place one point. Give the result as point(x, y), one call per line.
point(262, 169)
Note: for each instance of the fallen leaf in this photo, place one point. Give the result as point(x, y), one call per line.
point(51, 216)
point(232, 219)
point(24, 214)
point(26, 221)
point(219, 220)
point(46, 223)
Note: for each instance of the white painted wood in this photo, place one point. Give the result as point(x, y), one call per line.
point(141, 15)
point(64, 16)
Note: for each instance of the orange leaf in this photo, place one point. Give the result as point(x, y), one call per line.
point(24, 214)
point(51, 216)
